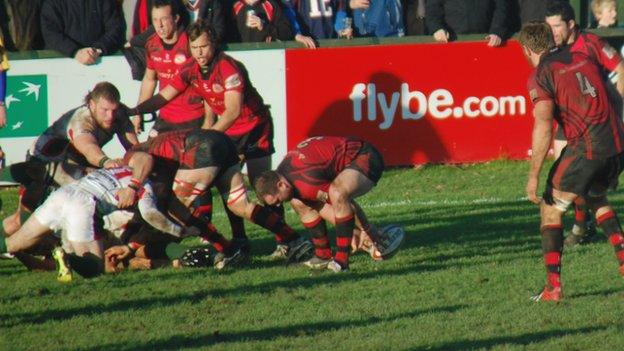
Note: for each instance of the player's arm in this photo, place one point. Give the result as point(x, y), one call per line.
point(141, 164)
point(209, 117)
point(155, 218)
point(619, 70)
point(154, 103)
point(543, 114)
point(87, 145)
point(148, 87)
point(233, 101)
point(127, 136)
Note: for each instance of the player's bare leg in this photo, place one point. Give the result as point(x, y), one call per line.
point(552, 243)
point(348, 185)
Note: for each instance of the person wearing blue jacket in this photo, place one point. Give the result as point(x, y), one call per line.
point(378, 18)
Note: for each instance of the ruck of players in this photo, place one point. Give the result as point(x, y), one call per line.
point(84, 212)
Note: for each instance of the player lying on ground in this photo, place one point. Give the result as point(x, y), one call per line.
point(76, 209)
point(321, 178)
point(206, 158)
point(569, 87)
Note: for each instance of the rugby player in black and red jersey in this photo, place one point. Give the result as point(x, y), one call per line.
point(560, 18)
point(224, 85)
point(321, 178)
point(202, 159)
point(569, 87)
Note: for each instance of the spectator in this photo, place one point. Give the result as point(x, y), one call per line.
point(261, 20)
point(379, 18)
point(19, 23)
point(414, 17)
point(82, 29)
point(323, 20)
point(307, 41)
point(448, 18)
point(605, 13)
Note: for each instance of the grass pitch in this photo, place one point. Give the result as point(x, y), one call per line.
point(462, 280)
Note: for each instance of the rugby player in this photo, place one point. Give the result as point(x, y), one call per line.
point(226, 89)
point(203, 159)
point(76, 209)
point(69, 149)
point(321, 178)
point(560, 18)
point(569, 87)
point(167, 51)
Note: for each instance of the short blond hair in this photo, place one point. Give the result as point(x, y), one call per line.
point(536, 36)
point(596, 5)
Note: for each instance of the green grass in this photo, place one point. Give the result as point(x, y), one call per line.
point(471, 259)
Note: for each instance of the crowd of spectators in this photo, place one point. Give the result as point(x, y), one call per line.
point(87, 29)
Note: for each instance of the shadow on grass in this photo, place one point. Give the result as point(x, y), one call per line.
point(601, 293)
point(524, 339)
point(267, 334)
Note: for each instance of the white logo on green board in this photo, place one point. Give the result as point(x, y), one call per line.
point(27, 106)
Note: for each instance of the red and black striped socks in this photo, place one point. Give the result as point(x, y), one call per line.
point(552, 245)
point(344, 234)
point(318, 228)
point(611, 226)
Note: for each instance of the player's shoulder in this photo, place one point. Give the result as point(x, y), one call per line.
point(153, 42)
point(81, 117)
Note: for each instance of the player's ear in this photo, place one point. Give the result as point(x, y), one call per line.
point(571, 24)
point(177, 19)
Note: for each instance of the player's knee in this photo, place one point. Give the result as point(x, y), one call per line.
point(237, 201)
point(551, 214)
point(338, 196)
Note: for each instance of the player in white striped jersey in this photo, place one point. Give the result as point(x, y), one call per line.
point(75, 211)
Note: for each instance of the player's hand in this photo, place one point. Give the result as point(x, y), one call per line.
point(136, 122)
point(359, 4)
point(254, 21)
point(307, 41)
point(493, 40)
point(86, 56)
point(531, 190)
point(114, 255)
point(113, 163)
point(3, 116)
point(441, 36)
point(126, 197)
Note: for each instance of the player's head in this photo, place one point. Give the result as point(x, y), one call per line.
point(535, 38)
point(560, 18)
point(272, 188)
point(202, 42)
point(605, 12)
point(165, 17)
point(103, 100)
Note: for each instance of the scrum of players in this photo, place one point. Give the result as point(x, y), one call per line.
point(83, 212)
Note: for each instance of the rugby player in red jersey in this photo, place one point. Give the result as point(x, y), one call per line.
point(202, 159)
point(569, 87)
point(226, 89)
point(167, 51)
point(321, 178)
point(560, 18)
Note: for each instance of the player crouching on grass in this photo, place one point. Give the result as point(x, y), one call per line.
point(321, 178)
point(569, 87)
point(76, 209)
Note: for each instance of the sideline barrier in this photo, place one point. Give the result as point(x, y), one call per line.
point(417, 101)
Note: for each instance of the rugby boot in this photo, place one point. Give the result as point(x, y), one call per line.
point(299, 250)
point(234, 258)
point(548, 294)
point(64, 272)
point(280, 253)
point(317, 263)
point(336, 267)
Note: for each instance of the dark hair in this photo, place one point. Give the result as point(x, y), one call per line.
point(174, 5)
point(560, 8)
point(199, 27)
point(104, 90)
point(266, 184)
point(536, 36)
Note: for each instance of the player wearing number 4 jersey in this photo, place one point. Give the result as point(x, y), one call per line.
point(568, 86)
point(321, 178)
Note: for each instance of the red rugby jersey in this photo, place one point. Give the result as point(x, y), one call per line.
point(225, 74)
point(315, 163)
point(167, 60)
point(587, 107)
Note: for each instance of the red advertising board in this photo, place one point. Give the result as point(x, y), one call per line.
point(418, 103)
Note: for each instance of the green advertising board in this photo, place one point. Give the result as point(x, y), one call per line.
point(27, 106)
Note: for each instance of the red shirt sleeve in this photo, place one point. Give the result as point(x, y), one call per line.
point(607, 56)
point(539, 87)
point(232, 77)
